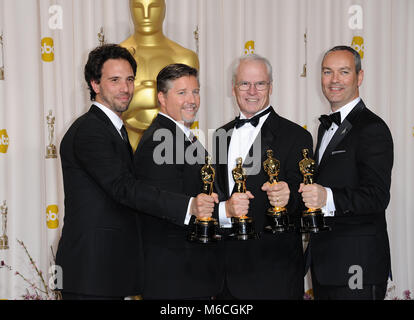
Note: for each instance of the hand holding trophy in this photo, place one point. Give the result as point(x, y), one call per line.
point(242, 227)
point(278, 220)
point(205, 229)
point(312, 219)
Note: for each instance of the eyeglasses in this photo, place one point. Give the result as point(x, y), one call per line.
point(245, 86)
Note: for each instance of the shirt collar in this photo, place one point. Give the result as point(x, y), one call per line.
point(346, 109)
point(116, 121)
point(185, 129)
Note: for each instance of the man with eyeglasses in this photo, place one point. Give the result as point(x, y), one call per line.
point(271, 267)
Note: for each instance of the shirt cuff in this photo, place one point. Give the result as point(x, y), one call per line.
point(223, 220)
point(188, 214)
point(329, 209)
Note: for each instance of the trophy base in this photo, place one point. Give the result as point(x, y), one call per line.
point(51, 152)
point(313, 222)
point(205, 231)
point(278, 221)
point(4, 243)
point(242, 229)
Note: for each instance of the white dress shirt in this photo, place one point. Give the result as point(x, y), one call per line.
point(329, 209)
point(241, 141)
point(115, 119)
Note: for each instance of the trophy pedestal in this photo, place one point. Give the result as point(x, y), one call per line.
point(313, 221)
point(4, 243)
point(205, 231)
point(51, 152)
point(278, 221)
point(242, 228)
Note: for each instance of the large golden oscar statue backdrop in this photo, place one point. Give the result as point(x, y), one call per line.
point(153, 51)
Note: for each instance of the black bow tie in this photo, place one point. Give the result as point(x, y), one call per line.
point(254, 121)
point(326, 120)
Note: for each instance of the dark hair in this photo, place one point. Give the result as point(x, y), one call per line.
point(97, 58)
point(173, 72)
point(357, 57)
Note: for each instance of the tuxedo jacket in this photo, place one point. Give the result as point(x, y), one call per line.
point(271, 267)
point(100, 250)
point(357, 167)
point(174, 267)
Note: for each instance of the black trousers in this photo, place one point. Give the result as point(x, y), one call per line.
point(368, 292)
point(225, 293)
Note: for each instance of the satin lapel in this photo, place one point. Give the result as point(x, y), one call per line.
point(321, 132)
point(264, 141)
point(221, 164)
point(342, 131)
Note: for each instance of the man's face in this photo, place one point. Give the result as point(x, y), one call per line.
point(182, 100)
point(339, 80)
point(252, 100)
point(148, 15)
point(116, 87)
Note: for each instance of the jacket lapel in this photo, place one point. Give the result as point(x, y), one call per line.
point(223, 135)
point(321, 132)
point(104, 118)
point(341, 132)
point(266, 138)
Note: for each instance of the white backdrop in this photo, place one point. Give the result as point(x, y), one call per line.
point(35, 83)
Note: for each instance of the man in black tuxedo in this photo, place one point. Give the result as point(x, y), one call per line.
point(271, 267)
point(355, 157)
point(100, 250)
point(170, 157)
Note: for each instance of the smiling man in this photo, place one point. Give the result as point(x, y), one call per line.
point(355, 158)
point(272, 266)
point(174, 267)
point(100, 250)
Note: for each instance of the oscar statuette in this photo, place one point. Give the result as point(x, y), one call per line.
point(4, 240)
point(242, 227)
point(51, 152)
point(205, 229)
point(278, 220)
point(312, 219)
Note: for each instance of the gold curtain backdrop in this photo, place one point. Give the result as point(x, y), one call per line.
point(43, 48)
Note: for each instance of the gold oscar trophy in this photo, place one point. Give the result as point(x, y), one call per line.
point(312, 219)
point(51, 152)
point(4, 241)
point(153, 51)
point(1, 59)
point(242, 227)
point(278, 220)
point(205, 229)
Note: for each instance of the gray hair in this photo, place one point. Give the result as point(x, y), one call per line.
point(252, 57)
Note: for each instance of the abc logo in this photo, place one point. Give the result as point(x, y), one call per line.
point(4, 141)
point(48, 51)
point(249, 47)
point(52, 216)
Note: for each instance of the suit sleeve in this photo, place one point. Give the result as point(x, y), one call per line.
point(374, 160)
point(98, 153)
